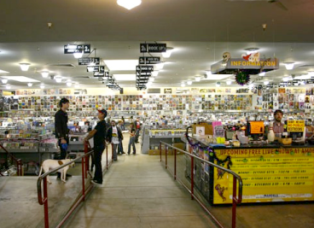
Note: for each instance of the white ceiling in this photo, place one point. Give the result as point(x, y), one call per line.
point(199, 30)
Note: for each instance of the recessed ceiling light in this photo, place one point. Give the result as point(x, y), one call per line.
point(208, 73)
point(262, 74)
point(45, 74)
point(58, 79)
point(198, 79)
point(69, 84)
point(121, 65)
point(29, 84)
point(8, 87)
point(152, 79)
point(42, 86)
point(182, 84)
point(303, 77)
point(217, 84)
point(3, 72)
point(289, 65)
point(20, 78)
point(266, 82)
point(168, 53)
point(129, 4)
point(124, 77)
point(24, 66)
point(285, 79)
point(4, 81)
point(229, 82)
point(189, 82)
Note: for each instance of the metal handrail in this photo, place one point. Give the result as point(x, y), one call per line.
point(237, 199)
point(19, 162)
point(85, 171)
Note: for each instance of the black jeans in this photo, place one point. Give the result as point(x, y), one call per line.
point(98, 150)
point(63, 153)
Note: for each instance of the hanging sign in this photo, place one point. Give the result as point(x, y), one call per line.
point(72, 48)
point(88, 60)
point(168, 90)
point(99, 74)
point(295, 125)
point(153, 47)
point(143, 73)
point(144, 68)
point(149, 60)
point(106, 73)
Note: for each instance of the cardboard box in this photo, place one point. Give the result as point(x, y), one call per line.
point(208, 128)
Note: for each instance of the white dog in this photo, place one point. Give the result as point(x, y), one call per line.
point(50, 164)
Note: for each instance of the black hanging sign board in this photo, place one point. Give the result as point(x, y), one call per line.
point(87, 60)
point(153, 47)
point(99, 74)
point(144, 68)
point(149, 60)
point(143, 73)
point(68, 49)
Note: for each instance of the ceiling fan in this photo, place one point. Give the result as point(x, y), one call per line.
point(277, 2)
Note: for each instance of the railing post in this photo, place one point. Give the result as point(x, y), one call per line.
point(175, 164)
point(160, 152)
point(234, 203)
point(192, 178)
point(166, 152)
point(87, 158)
point(46, 203)
point(83, 177)
point(107, 162)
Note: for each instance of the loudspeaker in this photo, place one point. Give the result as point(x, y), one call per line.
point(121, 91)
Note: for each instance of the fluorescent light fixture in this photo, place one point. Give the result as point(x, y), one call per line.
point(266, 82)
point(208, 73)
point(20, 78)
point(302, 83)
point(289, 66)
point(168, 53)
point(69, 84)
point(45, 74)
point(58, 79)
point(262, 74)
point(218, 77)
point(198, 79)
point(129, 4)
point(124, 77)
point(72, 46)
point(78, 55)
point(155, 73)
point(217, 84)
point(42, 86)
point(303, 77)
point(4, 81)
point(29, 84)
point(182, 84)
point(90, 68)
point(189, 82)
point(24, 66)
point(121, 65)
point(152, 79)
point(8, 87)
point(77, 86)
point(159, 66)
point(229, 82)
point(311, 73)
point(3, 72)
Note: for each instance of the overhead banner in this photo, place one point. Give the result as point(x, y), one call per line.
point(72, 48)
point(88, 60)
point(153, 47)
point(149, 60)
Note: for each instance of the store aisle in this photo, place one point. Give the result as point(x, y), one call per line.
point(137, 192)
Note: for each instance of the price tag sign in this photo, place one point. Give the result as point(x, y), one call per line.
point(219, 131)
point(295, 125)
point(257, 127)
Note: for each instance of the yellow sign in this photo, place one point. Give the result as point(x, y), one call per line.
point(295, 125)
point(257, 127)
point(269, 175)
point(259, 63)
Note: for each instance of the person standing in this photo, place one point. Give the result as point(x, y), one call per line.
point(99, 135)
point(61, 127)
point(123, 123)
point(278, 126)
point(137, 126)
point(114, 135)
point(132, 140)
point(120, 147)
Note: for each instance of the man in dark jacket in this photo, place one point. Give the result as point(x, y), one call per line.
point(99, 134)
point(114, 136)
point(61, 127)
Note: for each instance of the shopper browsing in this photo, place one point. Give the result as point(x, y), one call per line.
point(99, 135)
point(120, 147)
point(114, 136)
point(132, 139)
point(137, 126)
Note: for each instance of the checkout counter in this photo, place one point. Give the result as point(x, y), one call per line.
point(271, 172)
